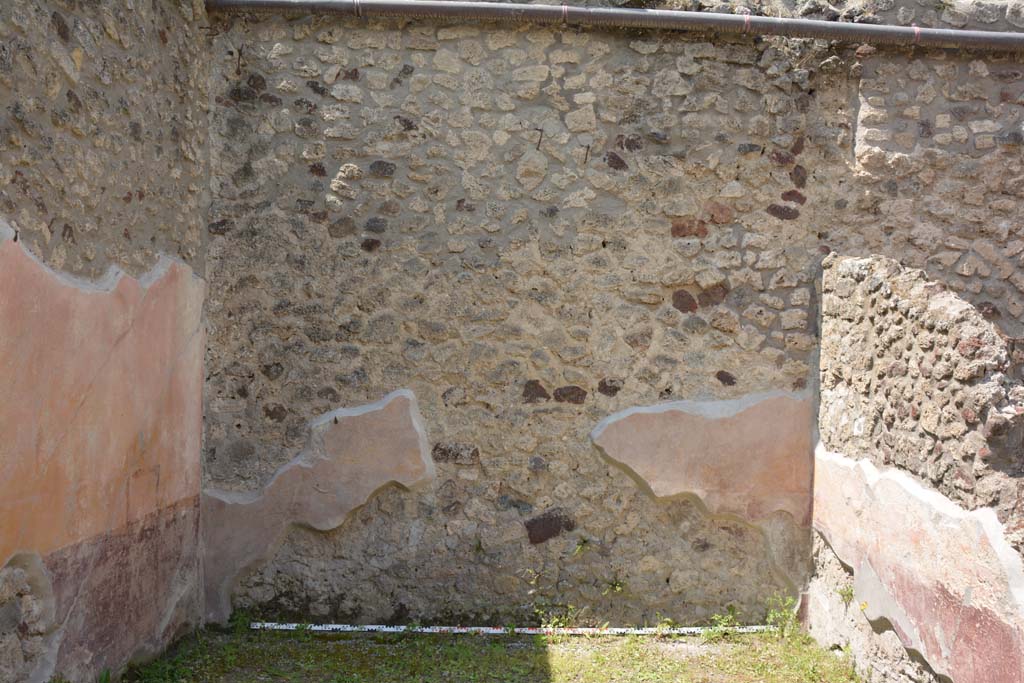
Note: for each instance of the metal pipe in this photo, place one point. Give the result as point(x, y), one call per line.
point(619, 17)
point(505, 630)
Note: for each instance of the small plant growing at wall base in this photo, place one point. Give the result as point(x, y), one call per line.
point(559, 616)
point(615, 585)
point(664, 625)
point(782, 615)
point(723, 626)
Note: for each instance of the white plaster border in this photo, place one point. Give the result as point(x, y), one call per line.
point(307, 456)
point(711, 409)
point(986, 518)
point(110, 279)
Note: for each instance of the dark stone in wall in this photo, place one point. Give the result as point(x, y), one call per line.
point(794, 196)
point(342, 227)
point(275, 412)
point(785, 213)
point(712, 296)
point(383, 169)
point(570, 394)
point(799, 176)
point(534, 392)
point(615, 161)
point(684, 301)
point(538, 464)
point(782, 157)
point(272, 370)
point(726, 378)
point(610, 387)
point(506, 502)
point(456, 453)
point(60, 26)
point(546, 526)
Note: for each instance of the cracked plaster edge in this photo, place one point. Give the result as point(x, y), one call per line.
point(308, 456)
point(985, 517)
point(868, 586)
point(110, 279)
point(710, 409)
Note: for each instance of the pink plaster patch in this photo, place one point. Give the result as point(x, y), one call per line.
point(101, 418)
point(750, 457)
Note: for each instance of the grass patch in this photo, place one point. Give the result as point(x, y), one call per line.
point(244, 656)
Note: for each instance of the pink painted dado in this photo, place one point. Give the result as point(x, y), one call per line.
point(101, 420)
point(944, 577)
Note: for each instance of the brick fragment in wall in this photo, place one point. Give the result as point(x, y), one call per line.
point(548, 525)
point(570, 394)
point(610, 386)
point(534, 391)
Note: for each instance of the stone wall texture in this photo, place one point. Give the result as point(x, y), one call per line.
point(534, 229)
point(530, 230)
point(918, 474)
point(103, 181)
point(505, 323)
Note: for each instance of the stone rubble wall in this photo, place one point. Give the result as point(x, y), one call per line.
point(103, 185)
point(572, 255)
point(918, 478)
point(533, 230)
point(530, 230)
point(938, 153)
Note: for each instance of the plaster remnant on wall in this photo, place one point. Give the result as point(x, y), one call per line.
point(748, 457)
point(351, 454)
point(136, 347)
point(945, 577)
point(106, 384)
point(917, 382)
point(834, 619)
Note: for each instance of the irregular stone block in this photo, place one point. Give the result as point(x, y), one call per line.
point(546, 526)
point(570, 394)
point(457, 453)
point(534, 392)
point(944, 577)
point(610, 386)
point(749, 457)
point(352, 452)
point(99, 459)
